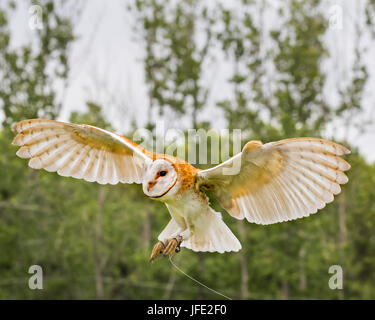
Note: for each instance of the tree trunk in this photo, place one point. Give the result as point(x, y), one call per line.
point(342, 236)
point(243, 262)
point(170, 286)
point(302, 274)
point(201, 290)
point(98, 257)
point(285, 290)
point(146, 231)
point(342, 220)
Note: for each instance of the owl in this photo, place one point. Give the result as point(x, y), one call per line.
point(274, 182)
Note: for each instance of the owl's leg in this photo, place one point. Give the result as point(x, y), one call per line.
point(174, 243)
point(158, 248)
point(162, 245)
point(168, 246)
point(171, 245)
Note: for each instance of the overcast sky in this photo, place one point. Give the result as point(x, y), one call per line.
point(106, 67)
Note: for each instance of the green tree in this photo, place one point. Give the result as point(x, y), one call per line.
point(30, 73)
point(173, 58)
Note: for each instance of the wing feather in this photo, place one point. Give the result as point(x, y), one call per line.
point(111, 174)
point(90, 172)
point(279, 181)
point(80, 165)
point(69, 158)
point(80, 151)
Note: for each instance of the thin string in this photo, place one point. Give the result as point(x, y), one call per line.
point(195, 280)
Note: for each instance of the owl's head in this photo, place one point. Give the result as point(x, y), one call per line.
point(159, 178)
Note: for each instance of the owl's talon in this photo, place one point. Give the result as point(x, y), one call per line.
point(158, 248)
point(173, 246)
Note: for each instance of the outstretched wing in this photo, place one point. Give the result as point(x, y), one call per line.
point(79, 151)
point(278, 181)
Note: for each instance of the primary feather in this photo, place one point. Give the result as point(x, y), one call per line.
point(79, 151)
point(279, 181)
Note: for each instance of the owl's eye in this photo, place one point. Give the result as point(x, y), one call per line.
point(163, 173)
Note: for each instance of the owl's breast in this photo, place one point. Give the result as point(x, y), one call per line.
point(188, 206)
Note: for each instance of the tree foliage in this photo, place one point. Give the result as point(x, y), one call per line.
point(94, 241)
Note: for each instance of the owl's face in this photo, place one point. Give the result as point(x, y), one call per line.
point(159, 178)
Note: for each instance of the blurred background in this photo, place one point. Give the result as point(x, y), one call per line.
point(273, 69)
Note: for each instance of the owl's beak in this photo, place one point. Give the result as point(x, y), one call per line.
point(150, 185)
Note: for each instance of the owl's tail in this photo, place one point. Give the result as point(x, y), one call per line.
point(210, 234)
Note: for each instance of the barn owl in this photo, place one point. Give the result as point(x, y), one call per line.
point(276, 182)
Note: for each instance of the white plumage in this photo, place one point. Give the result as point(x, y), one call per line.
point(274, 182)
point(78, 151)
point(280, 181)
